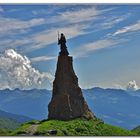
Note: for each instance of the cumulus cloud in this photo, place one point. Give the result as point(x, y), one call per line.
point(132, 86)
point(16, 71)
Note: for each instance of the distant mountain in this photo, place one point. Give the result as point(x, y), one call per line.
point(8, 124)
point(17, 118)
point(32, 103)
point(115, 106)
point(11, 121)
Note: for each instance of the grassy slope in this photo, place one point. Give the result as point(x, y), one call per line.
point(4, 132)
point(7, 123)
point(136, 130)
point(77, 127)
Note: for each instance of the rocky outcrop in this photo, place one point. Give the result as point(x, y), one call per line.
point(67, 100)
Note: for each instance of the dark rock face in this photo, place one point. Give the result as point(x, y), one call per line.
point(67, 100)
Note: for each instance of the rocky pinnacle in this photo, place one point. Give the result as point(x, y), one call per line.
point(67, 100)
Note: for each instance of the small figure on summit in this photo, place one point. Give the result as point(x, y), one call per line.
point(62, 43)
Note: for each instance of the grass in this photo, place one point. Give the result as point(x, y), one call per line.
point(8, 123)
point(21, 130)
point(77, 127)
point(136, 130)
point(5, 132)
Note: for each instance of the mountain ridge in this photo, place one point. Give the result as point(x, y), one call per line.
point(16, 117)
point(11, 121)
point(111, 105)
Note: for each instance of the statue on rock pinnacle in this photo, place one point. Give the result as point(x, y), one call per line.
point(62, 43)
point(67, 99)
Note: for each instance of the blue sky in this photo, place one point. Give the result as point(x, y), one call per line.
point(103, 39)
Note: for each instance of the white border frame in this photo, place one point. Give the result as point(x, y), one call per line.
point(70, 1)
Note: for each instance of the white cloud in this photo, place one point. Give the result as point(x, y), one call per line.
point(42, 58)
point(130, 28)
point(77, 15)
point(74, 22)
point(105, 116)
point(81, 15)
point(13, 43)
point(117, 86)
point(111, 22)
point(88, 48)
point(16, 71)
point(132, 86)
point(71, 23)
point(46, 11)
point(100, 44)
point(42, 39)
point(12, 25)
